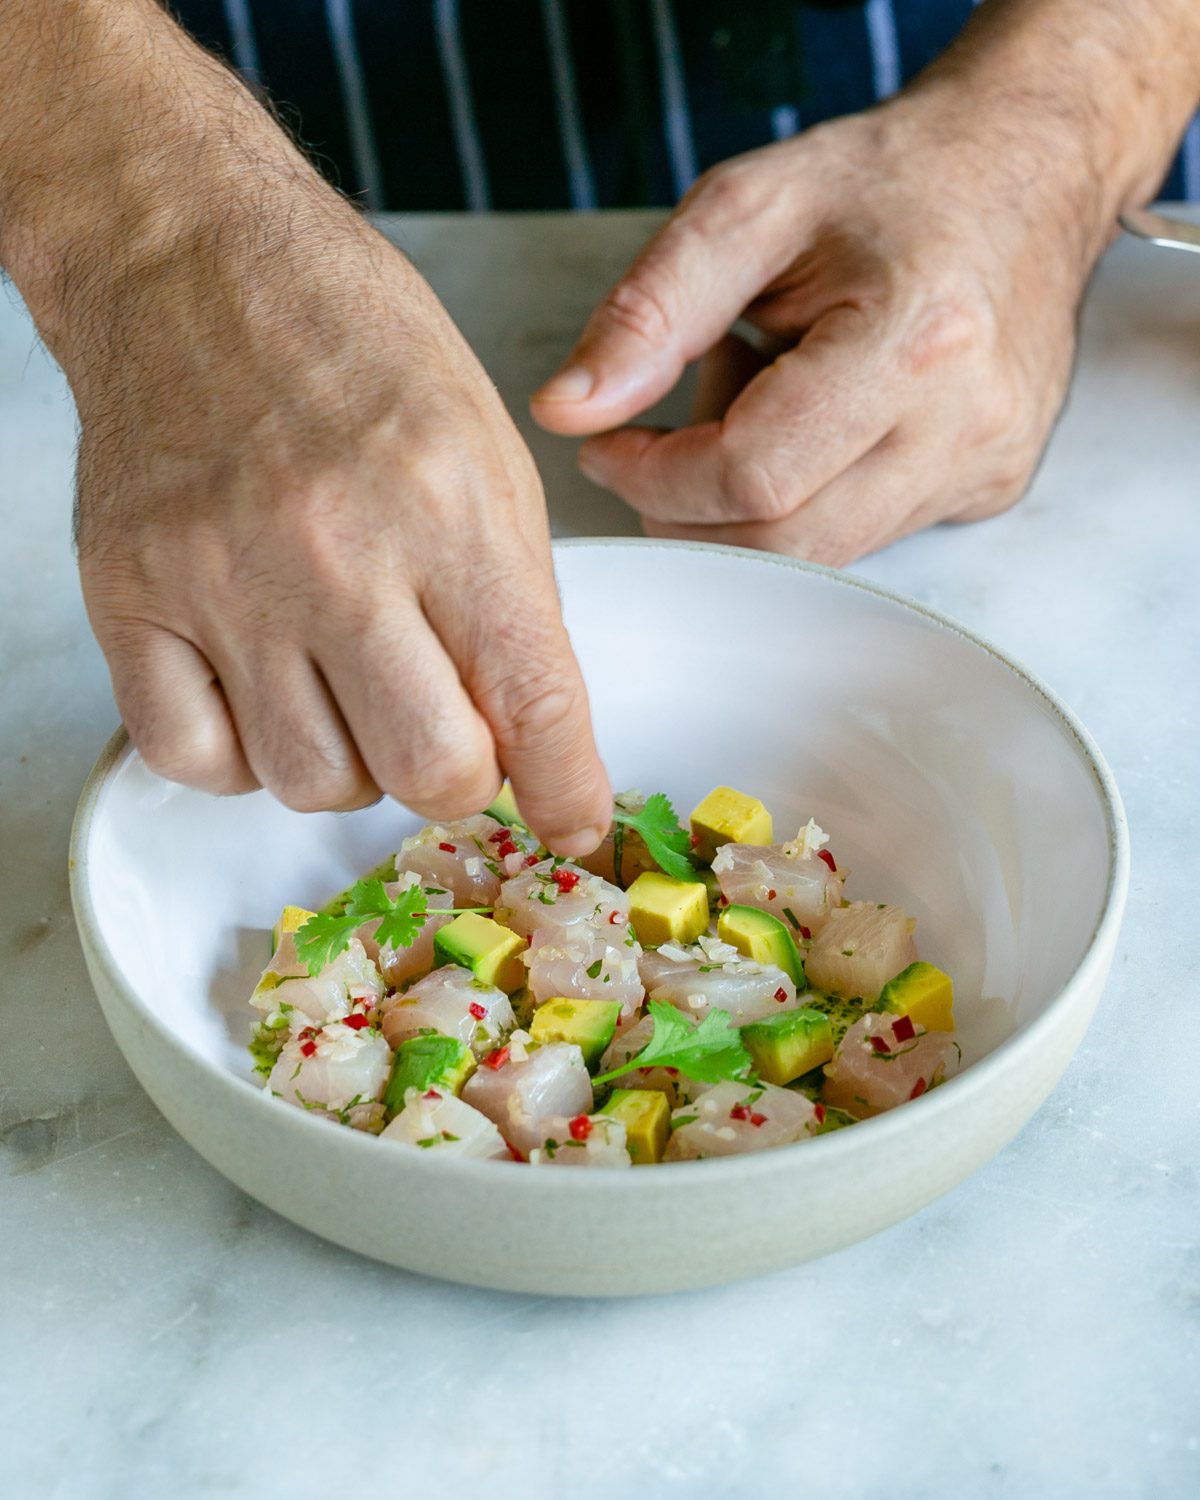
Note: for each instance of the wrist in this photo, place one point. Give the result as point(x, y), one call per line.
point(148, 158)
point(1055, 92)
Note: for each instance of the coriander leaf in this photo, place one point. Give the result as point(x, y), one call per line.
point(323, 937)
point(404, 920)
point(665, 840)
point(709, 1053)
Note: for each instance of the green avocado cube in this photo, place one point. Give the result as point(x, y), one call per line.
point(665, 910)
point(646, 1116)
point(922, 993)
point(427, 1062)
point(762, 937)
point(491, 952)
point(787, 1045)
point(589, 1024)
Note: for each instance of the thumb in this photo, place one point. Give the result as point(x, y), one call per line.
point(680, 296)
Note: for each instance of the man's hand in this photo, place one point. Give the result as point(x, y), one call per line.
point(313, 546)
point(920, 268)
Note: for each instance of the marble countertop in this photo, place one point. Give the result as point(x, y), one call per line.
point(1034, 1334)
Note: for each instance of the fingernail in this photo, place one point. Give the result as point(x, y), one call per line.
point(575, 845)
point(574, 383)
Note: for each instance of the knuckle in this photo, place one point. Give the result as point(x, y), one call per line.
point(752, 491)
point(948, 328)
point(642, 305)
point(536, 710)
point(308, 765)
point(730, 190)
point(1000, 493)
point(318, 794)
point(533, 692)
point(454, 781)
point(191, 762)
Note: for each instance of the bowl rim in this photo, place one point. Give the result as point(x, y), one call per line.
point(955, 1095)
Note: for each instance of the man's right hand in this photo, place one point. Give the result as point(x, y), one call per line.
point(313, 546)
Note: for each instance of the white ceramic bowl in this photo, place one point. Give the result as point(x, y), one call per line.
point(951, 782)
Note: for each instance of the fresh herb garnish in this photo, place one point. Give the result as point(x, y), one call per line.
point(709, 1053)
point(665, 840)
point(400, 917)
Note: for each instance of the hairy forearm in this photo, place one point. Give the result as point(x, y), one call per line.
point(121, 144)
point(1105, 87)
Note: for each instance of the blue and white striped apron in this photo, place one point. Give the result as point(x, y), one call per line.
point(511, 104)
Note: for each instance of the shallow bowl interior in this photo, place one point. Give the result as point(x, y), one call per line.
point(949, 782)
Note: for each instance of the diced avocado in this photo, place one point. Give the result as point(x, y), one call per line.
point(385, 871)
point(728, 817)
point(646, 1116)
point(505, 809)
point(490, 951)
point(923, 994)
point(428, 1062)
point(589, 1024)
point(789, 1044)
point(665, 910)
point(762, 937)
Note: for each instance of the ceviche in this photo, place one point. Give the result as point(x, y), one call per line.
point(682, 993)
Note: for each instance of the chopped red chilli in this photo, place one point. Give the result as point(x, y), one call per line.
point(757, 1119)
point(806, 934)
point(501, 835)
point(530, 859)
point(431, 1094)
point(879, 1044)
point(506, 848)
point(496, 1060)
point(903, 1029)
point(449, 848)
point(739, 1112)
point(781, 994)
point(694, 840)
point(357, 1021)
point(580, 1127)
point(771, 895)
point(918, 1089)
point(308, 1048)
point(477, 1010)
point(616, 918)
point(828, 858)
point(819, 1113)
point(565, 880)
